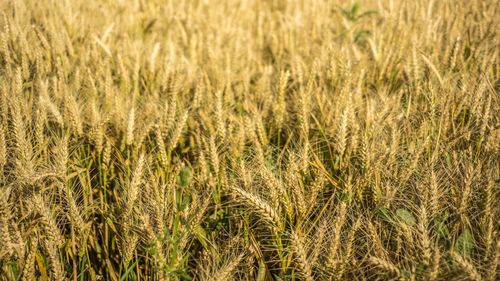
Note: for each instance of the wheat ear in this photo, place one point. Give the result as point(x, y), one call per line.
point(386, 266)
point(335, 236)
point(466, 266)
point(301, 257)
point(225, 272)
point(29, 261)
point(261, 206)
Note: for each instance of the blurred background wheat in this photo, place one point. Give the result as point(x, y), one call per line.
point(249, 140)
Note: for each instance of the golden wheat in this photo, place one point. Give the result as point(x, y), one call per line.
point(249, 140)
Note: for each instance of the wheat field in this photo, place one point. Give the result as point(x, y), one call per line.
point(249, 140)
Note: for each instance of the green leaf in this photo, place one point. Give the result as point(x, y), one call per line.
point(185, 177)
point(385, 215)
point(441, 229)
point(201, 235)
point(128, 271)
point(111, 224)
point(367, 13)
point(406, 216)
point(185, 276)
point(354, 11)
point(465, 242)
point(361, 35)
